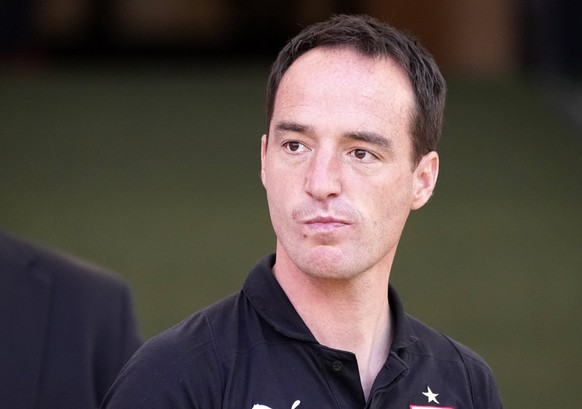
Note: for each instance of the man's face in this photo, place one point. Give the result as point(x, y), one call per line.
point(337, 164)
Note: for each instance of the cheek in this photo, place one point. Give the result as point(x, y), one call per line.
point(387, 205)
point(279, 195)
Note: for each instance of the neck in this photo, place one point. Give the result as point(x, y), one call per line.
point(349, 314)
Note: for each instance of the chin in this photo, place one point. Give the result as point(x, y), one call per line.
point(326, 263)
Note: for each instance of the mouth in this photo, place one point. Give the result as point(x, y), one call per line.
point(325, 224)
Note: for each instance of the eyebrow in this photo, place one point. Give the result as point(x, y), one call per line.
point(285, 126)
point(370, 137)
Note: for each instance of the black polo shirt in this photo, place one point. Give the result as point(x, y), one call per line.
point(252, 350)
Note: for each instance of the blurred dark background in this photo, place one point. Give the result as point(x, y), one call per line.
point(464, 35)
point(129, 136)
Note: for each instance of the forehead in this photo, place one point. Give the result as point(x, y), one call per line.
point(342, 81)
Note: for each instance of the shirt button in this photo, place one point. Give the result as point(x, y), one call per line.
point(337, 366)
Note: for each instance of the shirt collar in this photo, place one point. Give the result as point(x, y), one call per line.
point(271, 302)
point(403, 334)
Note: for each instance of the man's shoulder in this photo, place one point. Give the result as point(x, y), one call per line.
point(439, 347)
point(195, 333)
point(185, 359)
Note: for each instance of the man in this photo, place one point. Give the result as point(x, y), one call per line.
point(354, 112)
point(66, 329)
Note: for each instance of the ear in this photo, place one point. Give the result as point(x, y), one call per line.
point(263, 157)
point(424, 179)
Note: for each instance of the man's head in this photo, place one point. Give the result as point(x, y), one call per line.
point(355, 111)
point(374, 39)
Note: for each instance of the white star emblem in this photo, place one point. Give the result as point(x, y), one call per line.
point(431, 395)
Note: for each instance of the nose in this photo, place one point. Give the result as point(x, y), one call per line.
point(323, 178)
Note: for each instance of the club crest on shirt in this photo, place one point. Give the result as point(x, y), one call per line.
point(427, 407)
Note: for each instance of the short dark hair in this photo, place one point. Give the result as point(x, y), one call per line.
point(374, 38)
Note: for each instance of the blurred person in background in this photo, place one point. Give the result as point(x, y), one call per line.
point(354, 114)
point(66, 328)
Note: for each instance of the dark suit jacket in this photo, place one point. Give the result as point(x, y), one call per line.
point(66, 329)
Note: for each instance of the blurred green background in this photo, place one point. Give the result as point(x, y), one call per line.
point(118, 147)
point(152, 171)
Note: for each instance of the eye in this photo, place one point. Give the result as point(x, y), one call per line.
point(294, 146)
point(363, 155)
point(360, 153)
